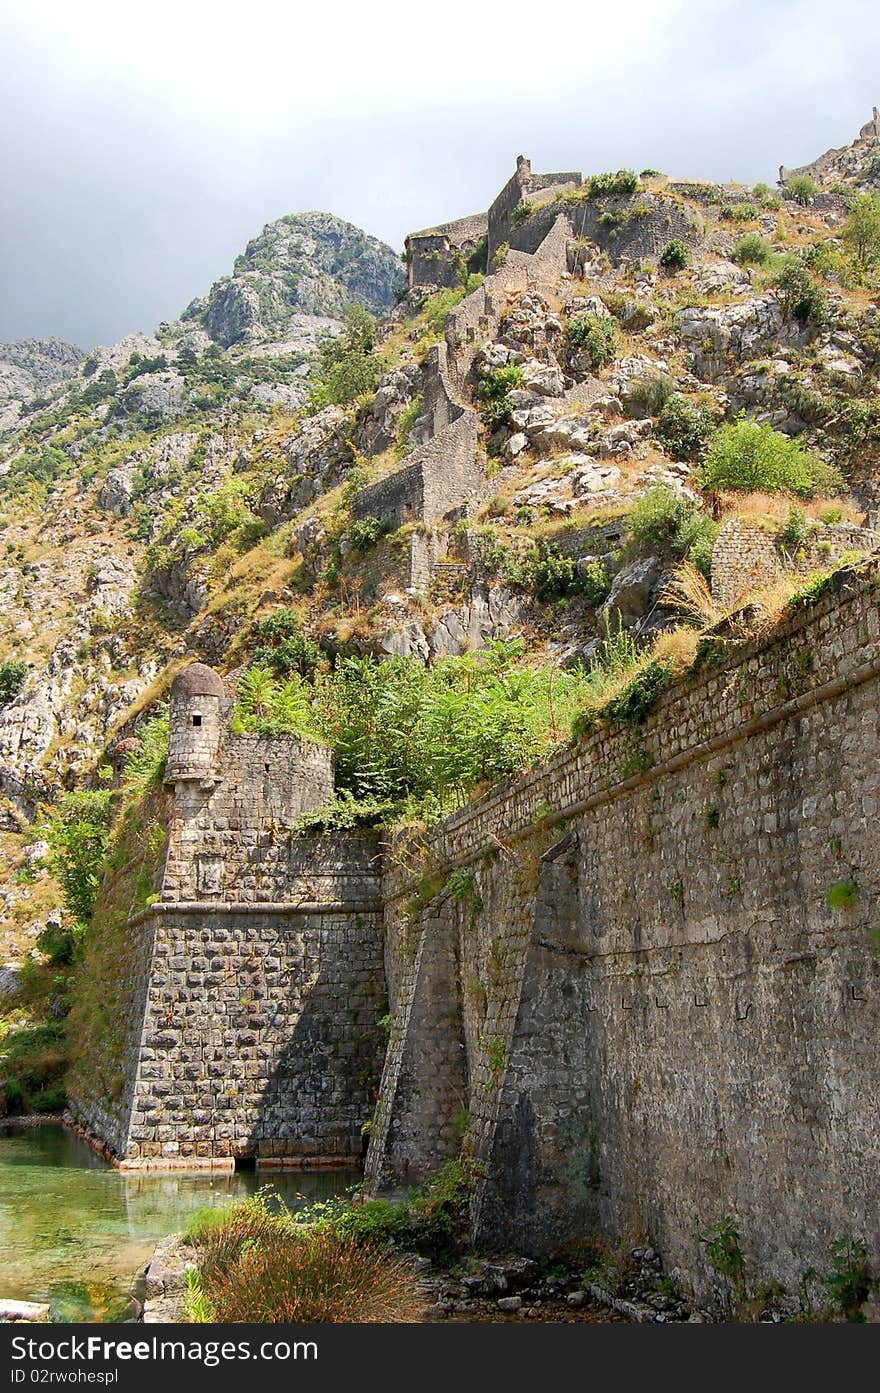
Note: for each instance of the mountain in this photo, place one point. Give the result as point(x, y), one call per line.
point(511, 448)
point(29, 366)
point(303, 265)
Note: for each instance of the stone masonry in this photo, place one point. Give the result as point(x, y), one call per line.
point(663, 1012)
point(647, 1001)
point(747, 557)
point(254, 988)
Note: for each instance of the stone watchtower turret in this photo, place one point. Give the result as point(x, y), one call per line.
point(196, 722)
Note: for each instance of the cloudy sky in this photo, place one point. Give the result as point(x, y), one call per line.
point(143, 144)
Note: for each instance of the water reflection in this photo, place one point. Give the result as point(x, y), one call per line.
point(75, 1231)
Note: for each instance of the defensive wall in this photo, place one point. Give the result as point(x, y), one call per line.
point(641, 980)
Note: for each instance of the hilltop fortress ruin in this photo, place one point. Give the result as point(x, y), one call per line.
point(617, 982)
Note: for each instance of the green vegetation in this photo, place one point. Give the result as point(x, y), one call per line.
point(647, 396)
point(843, 894)
point(667, 522)
point(432, 1219)
point(552, 575)
point(419, 737)
point(364, 533)
point(258, 1264)
point(639, 696)
point(675, 256)
point(282, 647)
point(684, 428)
point(753, 250)
point(739, 212)
point(751, 458)
point(861, 231)
point(597, 334)
point(439, 306)
point(804, 300)
point(800, 188)
point(723, 1251)
point(347, 366)
point(849, 1282)
point(32, 1061)
point(12, 678)
point(79, 837)
point(618, 185)
point(494, 394)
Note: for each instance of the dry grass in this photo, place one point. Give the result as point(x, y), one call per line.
point(763, 610)
point(676, 649)
point(255, 1266)
point(772, 509)
point(689, 594)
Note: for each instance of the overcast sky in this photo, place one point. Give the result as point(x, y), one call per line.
point(143, 144)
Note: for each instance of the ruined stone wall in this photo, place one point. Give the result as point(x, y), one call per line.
point(662, 1015)
point(404, 560)
point(501, 209)
point(746, 557)
point(645, 223)
point(590, 540)
point(438, 480)
point(435, 255)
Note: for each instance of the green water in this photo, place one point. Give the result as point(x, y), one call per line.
point(75, 1232)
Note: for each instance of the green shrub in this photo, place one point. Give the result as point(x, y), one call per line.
point(478, 260)
point(58, 944)
point(32, 1062)
point(494, 393)
point(751, 458)
point(647, 396)
point(145, 766)
point(753, 250)
point(553, 576)
point(347, 367)
point(765, 196)
point(520, 213)
point(803, 298)
point(843, 894)
point(632, 705)
point(849, 1283)
point(793, 533)
point(403, 731)
point(624, 182)
point(13, 674)
point(598, 335)
point(79, 836)
point(861, 231)
point(739, 212)
point(364, 533)
point(282, 647)
point(675, 256)
point(684, 428)
point(594, 581)
point(257, 1266)
point(666, 522)
point(800, 188)
point(723, 1251)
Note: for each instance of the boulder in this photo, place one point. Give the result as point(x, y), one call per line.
point(632, 593)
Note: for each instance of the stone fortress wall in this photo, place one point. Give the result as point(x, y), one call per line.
point(254, 987)
point(629, 981)
point(632, 997)
point(746, 557)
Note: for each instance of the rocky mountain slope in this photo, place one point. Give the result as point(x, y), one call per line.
point(29, 366)
point(557, 405)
